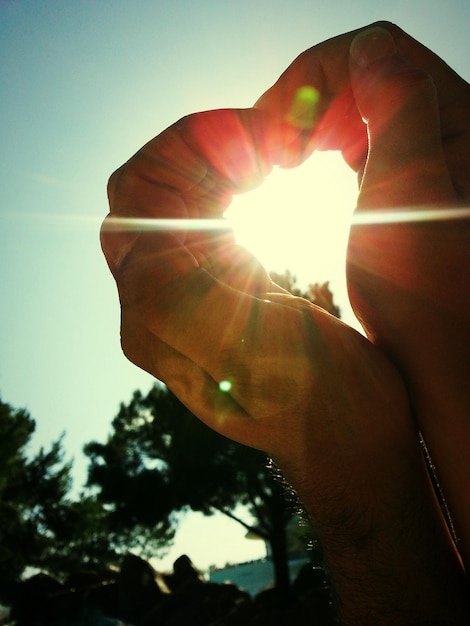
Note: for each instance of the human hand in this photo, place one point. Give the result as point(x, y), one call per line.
point(416, 141)
point(273, 371)
point(408, 279)
point(409, 252)
point(198, 311)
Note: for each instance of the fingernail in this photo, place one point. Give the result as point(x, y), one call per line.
point(372, 44)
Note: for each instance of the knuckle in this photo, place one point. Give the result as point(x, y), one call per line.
point(112, 182)
point(134, 339)
point(127, 346)
point(116, 183)
point(390, 26)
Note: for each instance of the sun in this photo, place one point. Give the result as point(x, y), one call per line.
point(298, 219)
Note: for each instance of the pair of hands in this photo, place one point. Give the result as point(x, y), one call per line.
point(198, 310)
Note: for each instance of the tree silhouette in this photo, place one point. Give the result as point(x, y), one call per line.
point(41, 527)
point(161, 459)
point(31, 492)
point(316, 293)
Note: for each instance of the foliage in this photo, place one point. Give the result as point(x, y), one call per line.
point(131, 483)
point(160, 459)
point(318, 294)
point(31, 491)
point(80, 538)
point(40, 526)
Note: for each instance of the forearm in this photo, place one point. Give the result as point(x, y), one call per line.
point(390, 558)
point(442, 407)
point(431, 352)
point(416, 310)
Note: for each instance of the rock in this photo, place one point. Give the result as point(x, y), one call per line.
point(137, 589)
point(32, 603)
point(183, 572)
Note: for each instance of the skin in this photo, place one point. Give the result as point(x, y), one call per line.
point(335, 410)
point(408, 282)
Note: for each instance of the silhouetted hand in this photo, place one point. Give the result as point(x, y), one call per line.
point(409, 248)
point(200, 313)
point(273, 371)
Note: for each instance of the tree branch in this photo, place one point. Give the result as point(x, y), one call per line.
point(253, 529)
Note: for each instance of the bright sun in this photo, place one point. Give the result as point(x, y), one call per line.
point(299, 220)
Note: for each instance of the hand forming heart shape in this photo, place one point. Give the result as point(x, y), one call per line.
point(197, 309)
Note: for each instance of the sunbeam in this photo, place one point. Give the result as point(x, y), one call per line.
point(390, 216)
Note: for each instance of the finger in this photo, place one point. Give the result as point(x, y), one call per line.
point(173, 295)
point(145, 208)
point(399, 261)
point(150, 186)
point(203, 395)
point(406, 163)
point(229, 262)
point(317, 82)
point(225, 331)
point(165, 160)
point(210, 245)
point(232, 142)
point(190, 170)
point(168, 165)
point(325, 69)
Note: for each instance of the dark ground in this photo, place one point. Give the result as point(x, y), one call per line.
point(138, 596)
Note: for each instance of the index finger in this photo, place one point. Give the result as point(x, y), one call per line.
point(219, 151)
point(190, 170)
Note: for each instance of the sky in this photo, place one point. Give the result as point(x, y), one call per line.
point(83, 84)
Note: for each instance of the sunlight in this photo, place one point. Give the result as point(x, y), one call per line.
point(299, 219)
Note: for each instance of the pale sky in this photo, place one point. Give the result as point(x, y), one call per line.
point(83, 84)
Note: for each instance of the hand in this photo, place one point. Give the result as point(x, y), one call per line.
point(201, 314)
point(407, 278)
point(273, 371)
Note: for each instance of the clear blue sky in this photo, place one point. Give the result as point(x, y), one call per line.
point(82, 85)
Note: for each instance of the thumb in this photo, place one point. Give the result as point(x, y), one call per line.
point(406, 165)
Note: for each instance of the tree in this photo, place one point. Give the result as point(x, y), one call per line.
point(31, 490)
point(80, 538)
point(41, 527)
point(160, 459)
point(316, 293)
point(130, 482)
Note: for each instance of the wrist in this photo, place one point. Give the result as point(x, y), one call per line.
point(387, 550)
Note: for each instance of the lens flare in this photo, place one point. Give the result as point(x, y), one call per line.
point(225, 386)
point(418, 214)
point(374, 216)
point(166, 224)
point(303, 110)
point(377, 216)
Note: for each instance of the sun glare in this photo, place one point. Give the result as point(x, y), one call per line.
point(299, 219)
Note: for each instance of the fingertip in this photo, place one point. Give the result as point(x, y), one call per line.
point(370, 45)
point(383, 79)
point(397, 99)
